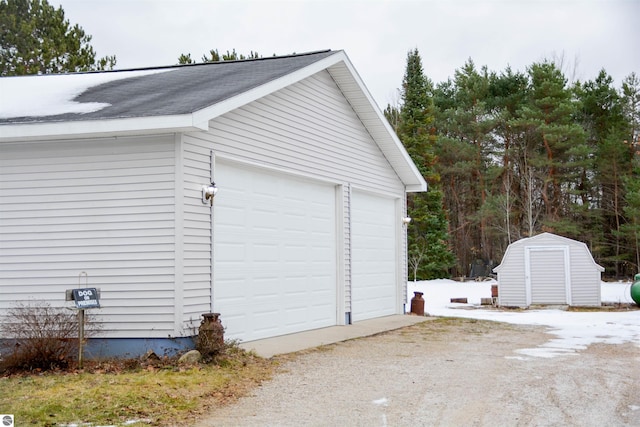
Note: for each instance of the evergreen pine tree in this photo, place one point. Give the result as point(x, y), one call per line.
point(558, 154)
point(429, 254)
point(35, 38)
point(465, 145)
point(603, 119)
point(631, 227)
point(214, 56)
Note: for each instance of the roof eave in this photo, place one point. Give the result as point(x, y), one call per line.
point(103, 127)
point(416, 188)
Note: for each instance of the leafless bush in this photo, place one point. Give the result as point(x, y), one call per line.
point(39, 336)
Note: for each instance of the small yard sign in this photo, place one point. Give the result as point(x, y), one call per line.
point(86, 298)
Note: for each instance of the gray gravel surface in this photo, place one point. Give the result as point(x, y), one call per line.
point(445, 372)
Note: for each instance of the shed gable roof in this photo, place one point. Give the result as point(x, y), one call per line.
point(534, 240)
point(185, 98)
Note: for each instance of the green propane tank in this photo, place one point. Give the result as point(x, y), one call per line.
point(635, 289)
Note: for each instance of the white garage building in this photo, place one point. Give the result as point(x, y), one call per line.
point(548, 269)
point(104, 173)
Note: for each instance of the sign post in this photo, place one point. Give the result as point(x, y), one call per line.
point(84, 298)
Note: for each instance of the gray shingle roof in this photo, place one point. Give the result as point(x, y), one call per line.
point(183, 90)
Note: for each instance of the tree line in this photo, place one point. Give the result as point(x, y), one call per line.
point(512, 154)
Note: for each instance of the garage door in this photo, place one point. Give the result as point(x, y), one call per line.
point(274, 253)
point(374, 262)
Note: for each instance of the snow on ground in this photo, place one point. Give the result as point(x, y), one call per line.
point(574, 331)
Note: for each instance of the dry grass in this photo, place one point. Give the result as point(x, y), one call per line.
point(116, 393)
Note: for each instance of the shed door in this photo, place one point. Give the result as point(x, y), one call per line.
point(374, 261)
point(274, 253)
point(547, 272)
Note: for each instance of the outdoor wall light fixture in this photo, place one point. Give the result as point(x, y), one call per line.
point(208, 193)
point(406, 220)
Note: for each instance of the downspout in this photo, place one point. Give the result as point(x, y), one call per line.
point(212, 160)
point(178, 206)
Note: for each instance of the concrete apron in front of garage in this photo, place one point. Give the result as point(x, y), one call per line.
point(309, 339)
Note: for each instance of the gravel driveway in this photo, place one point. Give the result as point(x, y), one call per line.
point(446, 372)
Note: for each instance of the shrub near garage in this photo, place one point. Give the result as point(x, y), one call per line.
point(40, 337)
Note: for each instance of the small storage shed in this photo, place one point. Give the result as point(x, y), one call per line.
point(548, 270)
point(106, 173)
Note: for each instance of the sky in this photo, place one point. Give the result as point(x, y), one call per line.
point(582, 36)
point(569, 332)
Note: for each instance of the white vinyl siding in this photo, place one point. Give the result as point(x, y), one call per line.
point(105, 207)
point(587, 288)
point(511, 278)
point(307, 128)
point(197, 233)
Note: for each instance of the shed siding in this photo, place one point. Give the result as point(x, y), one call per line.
point(105, 207)
point(586, 288)
point(511, 278)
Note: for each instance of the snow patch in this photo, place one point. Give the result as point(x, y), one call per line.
point(382, 402)
point(53, 94)
point(574, 331)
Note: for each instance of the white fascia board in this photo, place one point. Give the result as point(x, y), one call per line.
point(93, 128)
point(416, 188)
